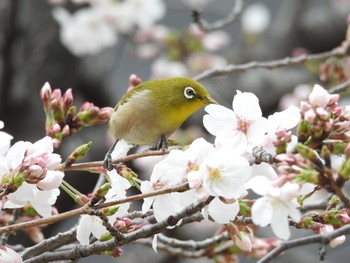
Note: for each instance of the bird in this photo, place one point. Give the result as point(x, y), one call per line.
point(153, 110)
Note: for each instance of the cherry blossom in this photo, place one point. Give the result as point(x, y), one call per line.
point(86, 31)
point(256, 18)
point(275, 206)
point(242, 127)
point(32, 170)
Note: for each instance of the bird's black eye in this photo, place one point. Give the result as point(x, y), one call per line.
point(189, 92)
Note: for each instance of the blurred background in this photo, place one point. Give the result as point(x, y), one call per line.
point(94, 46)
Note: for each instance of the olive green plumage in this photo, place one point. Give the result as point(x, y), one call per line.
point(156, 108)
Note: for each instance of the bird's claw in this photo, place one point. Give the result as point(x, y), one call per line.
point(108, 163)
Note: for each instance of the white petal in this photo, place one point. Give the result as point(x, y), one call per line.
point(287, 119)
point(219, 111)
point(219, 126)
point(199, 150)
point(222, 213)
point(121, 149)
point(259, 184)
point(84, 229)
point(262, 212)
point(172, 169)
point(280, 223)
point(246, 105)
point(43, 145)
point(264, 169)
point(16, 153)
point(257, 130)
point(51, 181)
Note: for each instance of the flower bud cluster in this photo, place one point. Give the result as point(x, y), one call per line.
point(320, 116)
point(62, 120)
point(33, 164)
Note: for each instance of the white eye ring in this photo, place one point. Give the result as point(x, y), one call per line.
point(189, 92)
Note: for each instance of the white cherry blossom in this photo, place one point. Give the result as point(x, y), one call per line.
point(275, 206)
point(243, 127)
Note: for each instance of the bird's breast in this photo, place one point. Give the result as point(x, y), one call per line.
point(140, 122)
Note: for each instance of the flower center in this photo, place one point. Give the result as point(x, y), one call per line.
point(243, 125)
point(214, 173)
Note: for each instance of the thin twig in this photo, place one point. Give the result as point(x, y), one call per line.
point(192, 244)
point(340, 88)
point(89, 165)
point(320, 238)
point(87, 210)
point(232, 16)
point(288, 61)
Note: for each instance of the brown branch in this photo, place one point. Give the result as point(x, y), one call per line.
point(87, 210)
point(232, 16)
point(192, 244)
point(340, 88)
point(288, 61)
point(144, 232)
point(50, 244)
point(89, 165)
point(320, 238)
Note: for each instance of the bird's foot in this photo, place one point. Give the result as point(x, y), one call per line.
point(161, 145)
point(108, 163)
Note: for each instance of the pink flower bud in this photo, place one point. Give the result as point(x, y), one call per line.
point(86, 105)
point(127, 221)
point(319, 97)
point(280, 132)
point(104, 114)
point(35, 170)
point(304, 107)
point(120, 225)
point(66, 131)
point(333, 101)
point(322, 113)
point(67, 99)
point(56, 94)
point(328, 126)
point(310, 116)
point(117, 252)
point(45, 95)
point(134, 80)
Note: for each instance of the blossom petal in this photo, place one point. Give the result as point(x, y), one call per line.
point(246, 105)
point(280, 224)
point(262, 212)
point(222, 213)
point(287, 119)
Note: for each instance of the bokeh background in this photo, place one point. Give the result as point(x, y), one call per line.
point(45, 41)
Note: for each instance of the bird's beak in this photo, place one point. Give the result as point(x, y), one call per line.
point(209, 100)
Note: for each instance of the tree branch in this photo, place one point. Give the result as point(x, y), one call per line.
point(340, 88)
point(87, 210)
point(144, 232)
point(288, 61)
point(50, 243)
point(89, 165)
point(320, 238)
point(232, 16)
